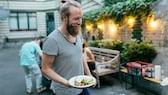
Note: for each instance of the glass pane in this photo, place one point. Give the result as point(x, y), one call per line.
point(23, 24)
point(32, 14)
point(13, 23)
point(13, 14)
point(32, 23)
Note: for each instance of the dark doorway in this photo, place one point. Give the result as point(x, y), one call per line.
point(50, 22)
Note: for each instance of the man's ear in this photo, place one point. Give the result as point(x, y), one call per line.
point(64, 17)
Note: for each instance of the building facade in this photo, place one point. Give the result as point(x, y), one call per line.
point(29, 18)
point(24, 19)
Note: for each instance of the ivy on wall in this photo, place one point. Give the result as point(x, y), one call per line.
point(118, 10)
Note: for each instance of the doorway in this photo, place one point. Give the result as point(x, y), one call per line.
point(50, 22)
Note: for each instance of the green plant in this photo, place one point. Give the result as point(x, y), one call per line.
point(117, 11)
point(113, 44)
point(110, 2)
point(100, 35)
point(109, 44)
point(138, 51)
point(93, 43)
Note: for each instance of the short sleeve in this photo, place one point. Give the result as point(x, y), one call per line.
point(38, 49)
point(50, 46)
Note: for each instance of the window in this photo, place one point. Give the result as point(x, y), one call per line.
point(23, 21)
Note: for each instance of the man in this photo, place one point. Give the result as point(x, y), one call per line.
point(62, 51)
point(28, 61)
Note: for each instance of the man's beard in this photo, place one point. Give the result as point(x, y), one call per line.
point(72, 30)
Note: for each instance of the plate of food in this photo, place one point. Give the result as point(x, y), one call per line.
point(82, 81)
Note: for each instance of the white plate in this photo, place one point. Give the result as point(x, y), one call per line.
point(80, 78)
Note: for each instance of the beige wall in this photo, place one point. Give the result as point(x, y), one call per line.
point(4, 27)
point(41, 25)
point(57, 19)
point(13, 5)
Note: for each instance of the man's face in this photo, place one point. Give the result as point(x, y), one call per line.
point(74, 21)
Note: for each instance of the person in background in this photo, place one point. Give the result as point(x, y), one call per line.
point(88, 55)
point(62, 52)
point(28, 61)
point(45, 81)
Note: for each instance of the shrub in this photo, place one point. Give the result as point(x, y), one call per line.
point(138, 51)
point(94, 43)
point(132, 51)
point(109, 44)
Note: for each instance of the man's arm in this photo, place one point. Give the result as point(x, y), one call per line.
point(47, 62)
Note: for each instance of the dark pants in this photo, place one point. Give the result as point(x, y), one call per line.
point(52, 93)
point(84, 92)
point(46, 82)
point(91, 65)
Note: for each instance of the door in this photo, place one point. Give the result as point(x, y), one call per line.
point(50, 22)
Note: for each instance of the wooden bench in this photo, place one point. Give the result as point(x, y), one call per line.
point(107, 62)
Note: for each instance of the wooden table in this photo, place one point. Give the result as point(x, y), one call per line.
point(124, 70)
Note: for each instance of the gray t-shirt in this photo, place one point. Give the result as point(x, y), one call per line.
point(68, 60)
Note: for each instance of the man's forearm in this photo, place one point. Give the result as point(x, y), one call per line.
point(55, 77)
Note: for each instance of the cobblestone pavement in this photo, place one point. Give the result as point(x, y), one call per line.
point(12, 77)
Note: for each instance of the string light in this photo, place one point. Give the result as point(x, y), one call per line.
point(131, 21)
point(153, 24)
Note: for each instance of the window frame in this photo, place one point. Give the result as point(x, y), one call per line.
point(28, 17)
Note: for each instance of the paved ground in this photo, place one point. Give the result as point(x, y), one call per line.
point(12, 77)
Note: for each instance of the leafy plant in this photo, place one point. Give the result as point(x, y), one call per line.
point(132, 51)
point(110, 2)
point(109, 44)
point(138, 51)
point(113, 44)
point(93, 43)
point(118, 11)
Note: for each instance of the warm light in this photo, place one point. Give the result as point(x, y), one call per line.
point(100, 26)
point(131, 20)
point(153, 24)
point(112, 28)
point(89, 27)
